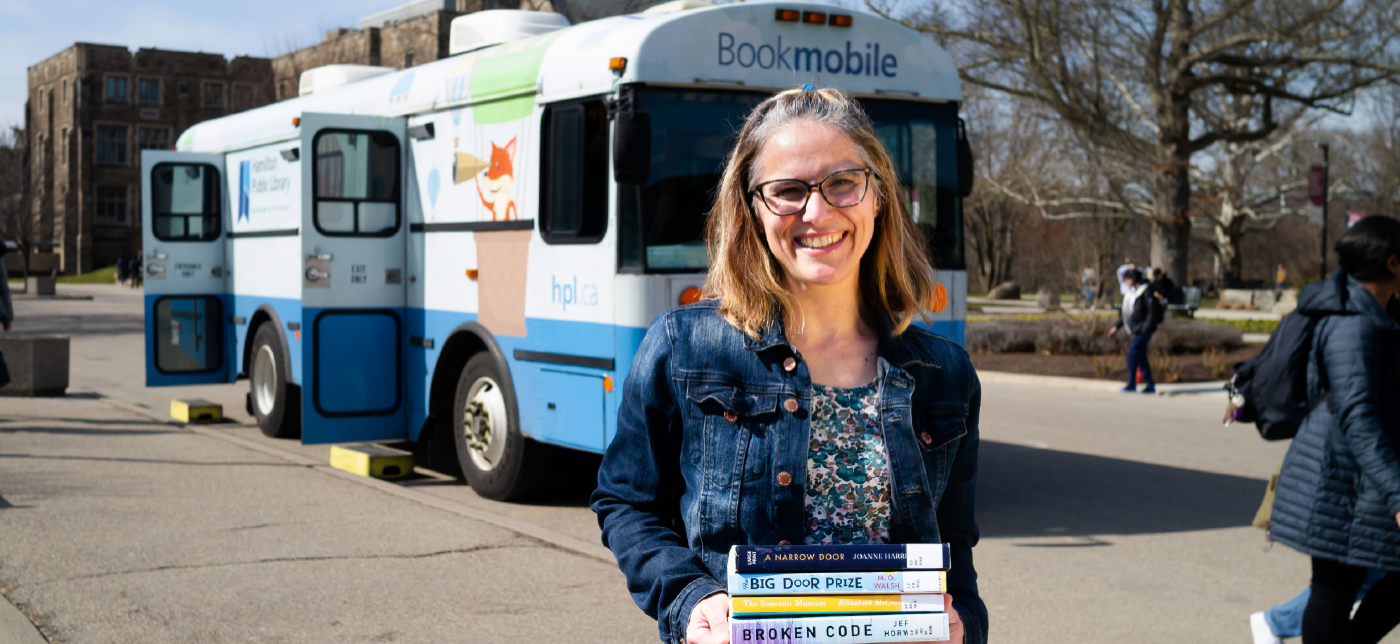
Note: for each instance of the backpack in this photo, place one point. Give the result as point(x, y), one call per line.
point(1274, 384)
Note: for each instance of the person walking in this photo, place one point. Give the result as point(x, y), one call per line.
point(1338, 494)
point(1123, 271)
point(1162, 287)
point(122, 271)
point(1285, 620)
point(1281, 278)
point(768, 413)
point(1141, 314)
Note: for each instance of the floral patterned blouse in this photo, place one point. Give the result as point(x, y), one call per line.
point(848, 482)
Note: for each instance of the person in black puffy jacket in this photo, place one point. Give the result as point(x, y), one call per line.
point(1338, 495)
point(1141, 314)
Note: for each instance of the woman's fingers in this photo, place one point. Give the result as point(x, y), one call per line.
point(709, 621)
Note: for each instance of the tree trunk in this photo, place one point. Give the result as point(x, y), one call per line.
point(1171, 223)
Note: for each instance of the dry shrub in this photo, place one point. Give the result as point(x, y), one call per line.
point(1164, 366)
point(1191, 336)
point(1107, 365)
point(1214, 360)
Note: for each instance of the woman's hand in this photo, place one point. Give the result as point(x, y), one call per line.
point(709, 621)
point(955, 626)
point(1397, 514)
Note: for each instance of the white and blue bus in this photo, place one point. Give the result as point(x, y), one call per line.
point(466, 254)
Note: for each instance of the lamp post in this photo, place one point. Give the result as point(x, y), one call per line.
point(1325, 171)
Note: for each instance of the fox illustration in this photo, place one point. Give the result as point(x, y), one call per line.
point(500, 183)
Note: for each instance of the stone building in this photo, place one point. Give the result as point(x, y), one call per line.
point(92, 109)
point(407, 35)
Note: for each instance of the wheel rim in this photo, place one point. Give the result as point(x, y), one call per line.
point(265, 380)
point(485, 424)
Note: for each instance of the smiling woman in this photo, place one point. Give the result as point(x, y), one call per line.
point(781, 407)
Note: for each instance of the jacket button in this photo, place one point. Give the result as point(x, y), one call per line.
point(784, 542)
point(730, 416)
point(928, 439)
point(791, 405)
point(784, 478)
point(790, 363)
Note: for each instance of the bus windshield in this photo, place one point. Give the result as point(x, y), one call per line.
point(662, 224)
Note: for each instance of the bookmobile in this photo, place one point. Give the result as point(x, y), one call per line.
point(466, 254)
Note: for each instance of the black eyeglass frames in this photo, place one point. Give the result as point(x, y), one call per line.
point(841, 189)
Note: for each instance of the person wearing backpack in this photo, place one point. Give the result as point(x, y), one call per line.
point(1338, 494)
point(1141, 314)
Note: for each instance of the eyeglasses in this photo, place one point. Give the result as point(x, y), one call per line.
point(841, 189)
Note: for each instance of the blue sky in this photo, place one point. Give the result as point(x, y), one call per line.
point(32, 30)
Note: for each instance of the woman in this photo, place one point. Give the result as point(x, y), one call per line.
point(798, 376)
point(1338, 496)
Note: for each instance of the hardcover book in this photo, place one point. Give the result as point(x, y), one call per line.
point(872, 557)
point(858, 629)
point(836, 583)
point(743, 606)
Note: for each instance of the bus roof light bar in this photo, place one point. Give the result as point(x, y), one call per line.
point(840, 20)
point(788, 15)
point(814, 17)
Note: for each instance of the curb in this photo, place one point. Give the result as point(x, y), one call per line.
point(550, 537)
point(1168, 390)
point(15, 627)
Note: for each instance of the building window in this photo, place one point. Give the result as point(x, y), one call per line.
point(149, 90)
point(40, 103)
point(281, 91)
point(153, 138)
point(111, 205)
point(183, 88)
point(65, 90)
point(213, 96)
point(116, 89)
point(63, 147)
point(111, 144)
point(242, 96)
point(408, 60)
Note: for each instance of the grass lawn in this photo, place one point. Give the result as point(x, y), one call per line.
point(106, 275)
point(1247, 326)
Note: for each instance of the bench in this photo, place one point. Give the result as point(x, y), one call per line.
point(1190, 301)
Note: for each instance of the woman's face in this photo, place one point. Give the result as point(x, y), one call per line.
point(821, 245)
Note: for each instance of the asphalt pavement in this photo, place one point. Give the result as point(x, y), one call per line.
point(1104, 517)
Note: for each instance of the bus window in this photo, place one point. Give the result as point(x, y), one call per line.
point(357, 183)
point(663, 222)
point(574, 203)
point(185, 204)
point(921, 139)
point(189, 335)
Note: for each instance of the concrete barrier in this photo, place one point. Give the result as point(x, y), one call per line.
point(38, 364)
point(40, 286)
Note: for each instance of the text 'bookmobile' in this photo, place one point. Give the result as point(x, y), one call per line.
point(467, 253)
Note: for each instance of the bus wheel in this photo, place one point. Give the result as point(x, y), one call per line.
point(497, 461)
point(274, 404)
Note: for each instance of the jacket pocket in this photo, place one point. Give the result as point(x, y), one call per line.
point(935, 426)
point(735, 422)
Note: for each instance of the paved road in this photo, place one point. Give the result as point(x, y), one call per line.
point(1105, 518)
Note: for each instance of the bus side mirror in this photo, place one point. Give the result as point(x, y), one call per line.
point(965, 162)
point(632, 147)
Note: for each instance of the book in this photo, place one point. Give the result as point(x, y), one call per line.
point(857, 629)
point(838, 582)
point(870, 558)
point(745, 605)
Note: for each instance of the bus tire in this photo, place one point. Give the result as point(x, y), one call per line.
point(497, 460)
point(275, 402)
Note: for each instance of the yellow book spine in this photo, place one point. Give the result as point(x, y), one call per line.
point(802, 604)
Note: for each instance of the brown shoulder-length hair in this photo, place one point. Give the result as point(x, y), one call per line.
point(896, 277)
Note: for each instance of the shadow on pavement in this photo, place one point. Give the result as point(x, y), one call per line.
point(1026, 492)
point(80, 325)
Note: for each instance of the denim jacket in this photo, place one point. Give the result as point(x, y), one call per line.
point(711, 451)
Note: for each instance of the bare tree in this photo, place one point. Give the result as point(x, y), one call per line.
point(17, 224)
point(1150, 82)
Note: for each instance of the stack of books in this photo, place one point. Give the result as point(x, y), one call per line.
point(838, 594)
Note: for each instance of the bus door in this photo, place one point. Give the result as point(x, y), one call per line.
point(182, 263)
point(353, 278)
